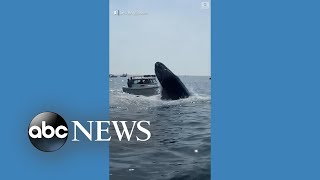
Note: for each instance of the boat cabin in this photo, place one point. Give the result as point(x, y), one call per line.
point(140, 81)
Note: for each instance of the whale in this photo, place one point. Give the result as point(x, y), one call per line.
point(172, 87)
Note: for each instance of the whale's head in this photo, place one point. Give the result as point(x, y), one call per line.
point(162, 72)
point(172, 87)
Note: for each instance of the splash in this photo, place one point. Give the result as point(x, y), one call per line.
point(119, 99)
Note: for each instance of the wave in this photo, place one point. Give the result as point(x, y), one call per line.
point(119, 99)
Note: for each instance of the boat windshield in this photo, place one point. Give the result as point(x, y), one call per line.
point(144, 81)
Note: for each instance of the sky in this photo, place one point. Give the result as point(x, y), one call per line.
point(174, 32)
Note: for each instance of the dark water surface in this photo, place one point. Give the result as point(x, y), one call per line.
point(179, 147)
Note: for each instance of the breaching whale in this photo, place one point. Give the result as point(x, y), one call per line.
point(172, 87)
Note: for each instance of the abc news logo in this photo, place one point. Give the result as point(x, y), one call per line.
point(48, 131)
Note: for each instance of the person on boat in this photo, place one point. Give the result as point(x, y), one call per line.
point(129, 82)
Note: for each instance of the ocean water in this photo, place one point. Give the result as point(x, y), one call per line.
point(179, 147)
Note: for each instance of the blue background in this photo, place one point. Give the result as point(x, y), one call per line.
point(54, 57)
point(265, 65)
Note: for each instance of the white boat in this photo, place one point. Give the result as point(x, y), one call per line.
point(145, 85)
point(112, 76)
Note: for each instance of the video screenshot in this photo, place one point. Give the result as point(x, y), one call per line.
point(160, 72)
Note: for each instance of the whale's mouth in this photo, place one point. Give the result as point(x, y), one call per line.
point(162, 72)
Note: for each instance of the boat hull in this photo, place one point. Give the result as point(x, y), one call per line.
point(147, 91)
